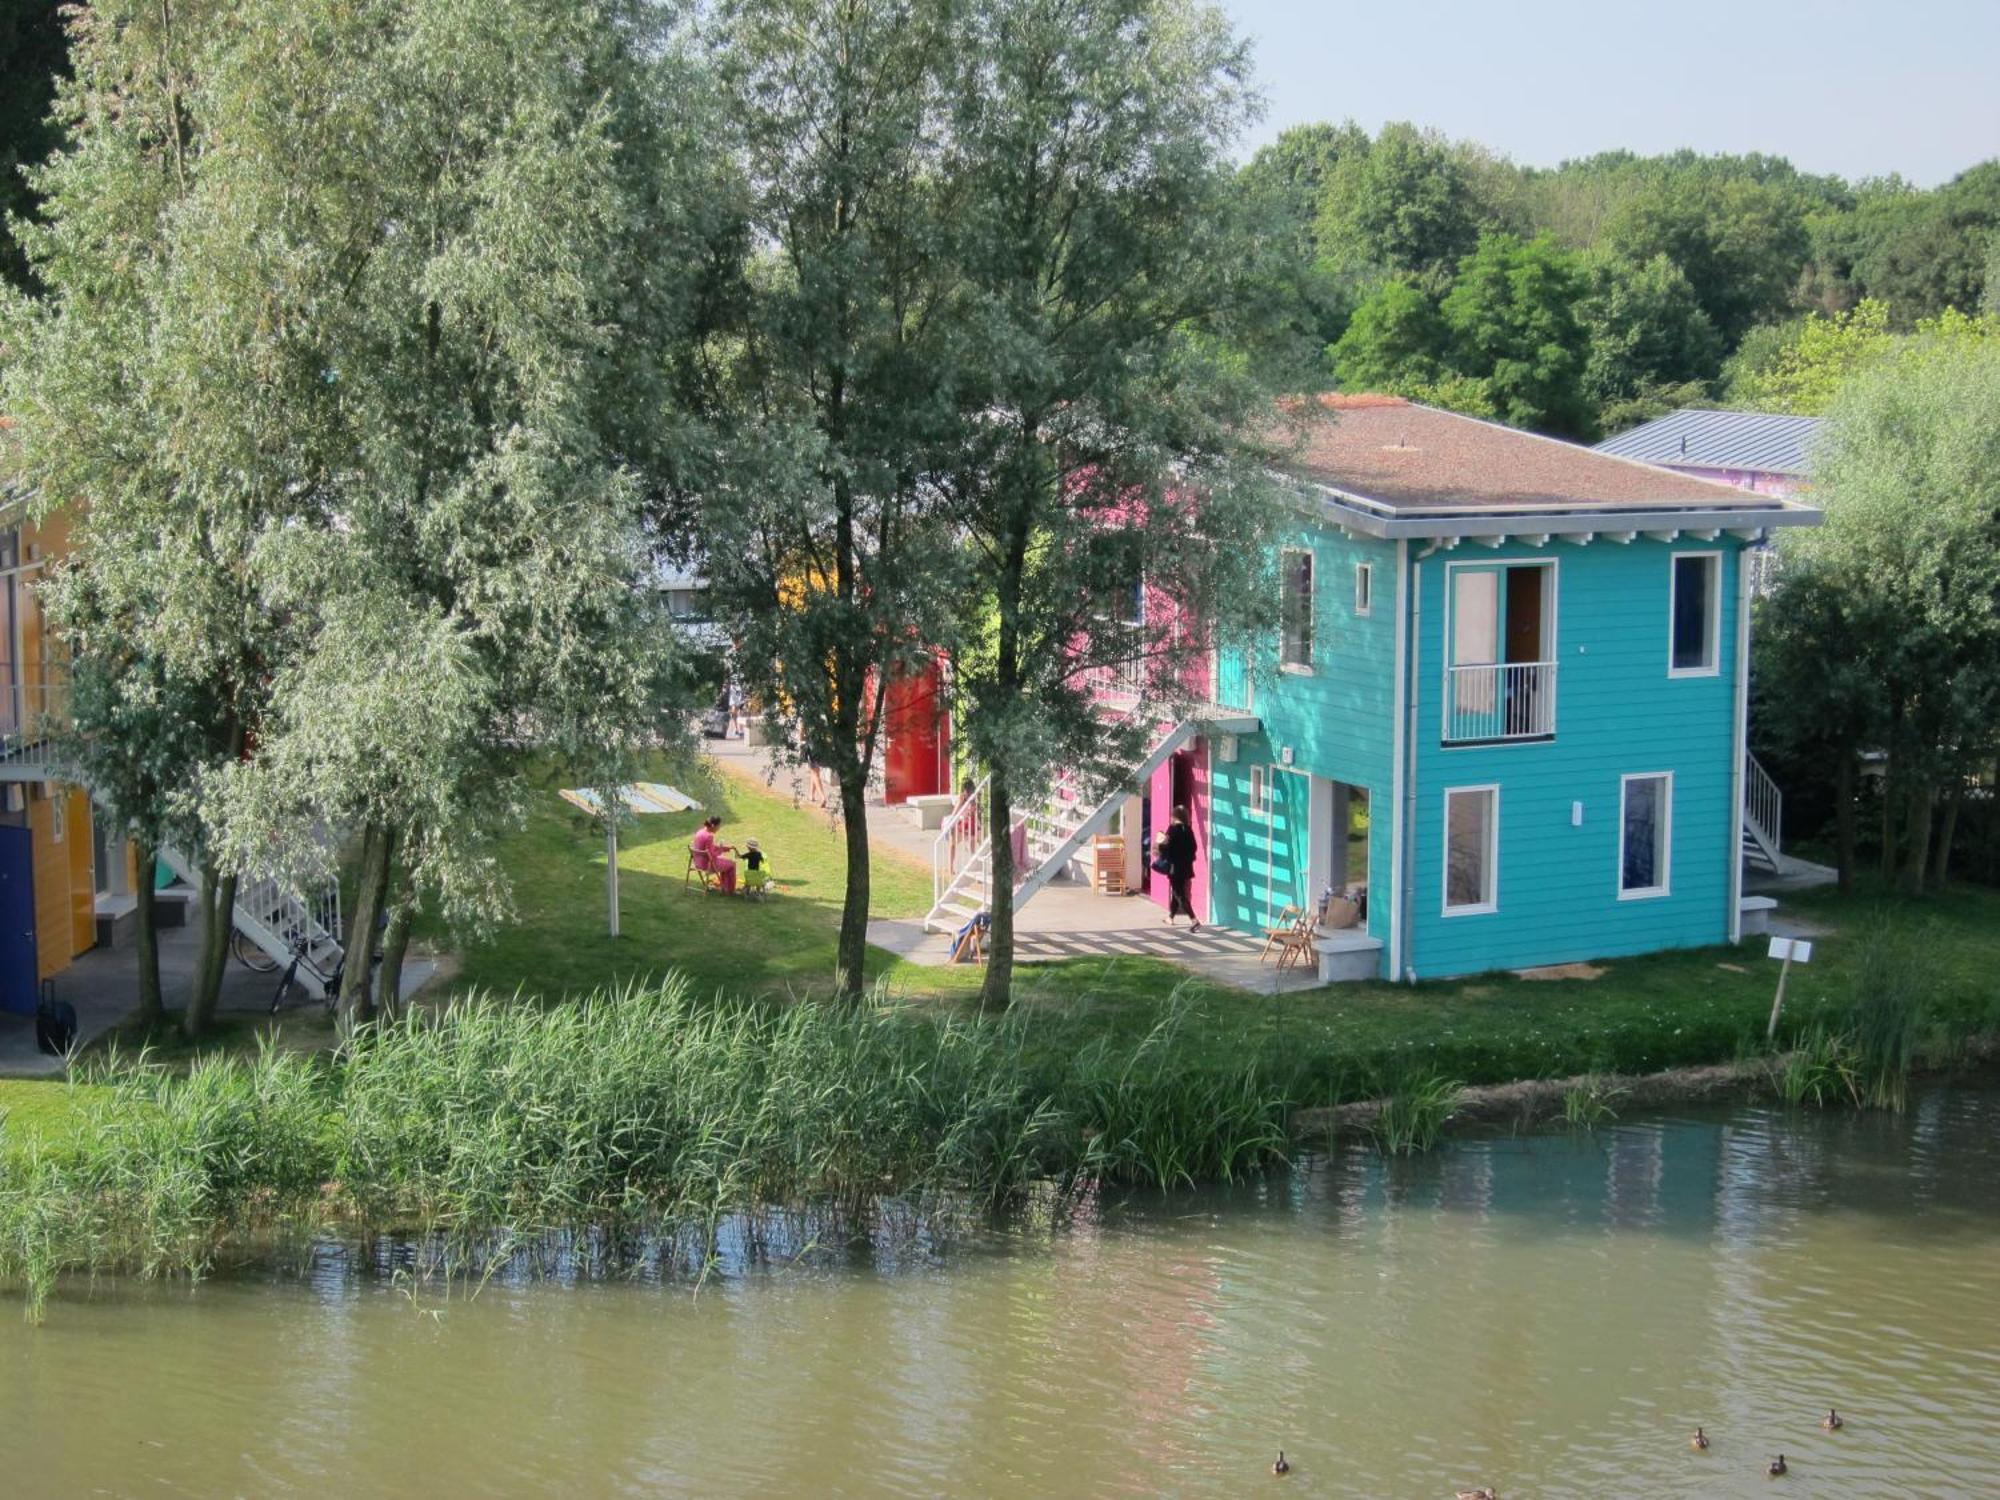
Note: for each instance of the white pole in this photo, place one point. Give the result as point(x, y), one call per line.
point(611, 866)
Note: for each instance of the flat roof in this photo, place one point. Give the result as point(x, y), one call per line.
point(1751, 441)
point(1393, 467)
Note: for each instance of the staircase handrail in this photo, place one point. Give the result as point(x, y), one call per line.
point(945, 848)
point(1763, 802)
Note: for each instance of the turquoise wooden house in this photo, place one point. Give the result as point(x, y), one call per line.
point(1505, 708)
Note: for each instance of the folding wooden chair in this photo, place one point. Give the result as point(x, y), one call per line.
point(1296, 946)
point(699, 869)
point(1275, 936)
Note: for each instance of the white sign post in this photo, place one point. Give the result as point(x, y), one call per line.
point(1790, 950)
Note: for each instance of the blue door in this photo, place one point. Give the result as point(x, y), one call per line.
point(18, 971)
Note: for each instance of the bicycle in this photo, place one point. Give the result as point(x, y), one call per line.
point(291, 982)
point(248, 954)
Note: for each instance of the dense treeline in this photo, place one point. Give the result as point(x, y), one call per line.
point(1587, 297)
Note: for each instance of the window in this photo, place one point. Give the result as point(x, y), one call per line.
point(1645, 834)
point(1364, 588)
point(1295, 610)
point(1260, 793)
point(1695, 614)
point(1472, 850)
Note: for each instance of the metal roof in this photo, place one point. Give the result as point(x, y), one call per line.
point(1749, 440)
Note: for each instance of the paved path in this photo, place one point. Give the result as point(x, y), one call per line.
point(103, 985)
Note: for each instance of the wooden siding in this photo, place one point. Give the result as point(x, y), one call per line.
point(1618, 712)
point(1337, 721)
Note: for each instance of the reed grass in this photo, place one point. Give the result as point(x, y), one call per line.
point(1414, 1114)
point(1592, 1101)
point(640, 1111)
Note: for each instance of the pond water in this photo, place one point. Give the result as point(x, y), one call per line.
point(1548, 1315)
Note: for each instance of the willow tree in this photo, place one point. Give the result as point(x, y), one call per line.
point(159, 598)
point(1106, 433)
point(406, 323)
point(819, 526)
point(1909, 476)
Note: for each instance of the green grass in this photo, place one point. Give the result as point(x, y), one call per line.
point(783, 944)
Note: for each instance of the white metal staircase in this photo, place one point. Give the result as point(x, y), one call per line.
point(1763, 817)
point(275, 917)
point(1049, 836)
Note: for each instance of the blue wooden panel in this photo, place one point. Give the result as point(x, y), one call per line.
point(1336, 721)
point(1618, 712)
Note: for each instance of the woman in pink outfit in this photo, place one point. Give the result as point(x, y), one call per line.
point(712, 852)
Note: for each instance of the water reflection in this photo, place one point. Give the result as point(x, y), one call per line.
point(1549, 1315)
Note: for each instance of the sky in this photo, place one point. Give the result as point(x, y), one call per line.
point(1862, 90)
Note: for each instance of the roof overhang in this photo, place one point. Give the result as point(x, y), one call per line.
point(1751, 520)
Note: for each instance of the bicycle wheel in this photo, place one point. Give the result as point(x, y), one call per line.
point(253, 958)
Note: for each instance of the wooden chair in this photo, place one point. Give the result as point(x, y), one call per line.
point(1107, 862)
point(1275, 935)
point(969, 946)
point(1296, 946)
point(699, 869)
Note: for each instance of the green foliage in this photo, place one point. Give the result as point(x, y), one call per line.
point(1405, 206)
point(1592, 1102)
point(1644, 329)
point(1413, 1117)
point(1896, 975)
point(32, 59)
point(1511, 315)
point(1099, 431)
point(1820, 1070)
point(367, 497)
point(1394, 340)
point(1887, 627)
point(1804, 367)
point(1739, 241)
point(1921, 253)
point(641, 1111)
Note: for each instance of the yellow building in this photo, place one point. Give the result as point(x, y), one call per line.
point(50, 864)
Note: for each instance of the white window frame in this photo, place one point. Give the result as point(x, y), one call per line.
point(1714, 651)
point(1364, 588)
point(1492, 902)
point(1299, 668)
point(1260, 794)
point(1663, 837)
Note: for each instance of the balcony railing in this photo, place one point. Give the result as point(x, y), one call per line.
point(1513, 700)
point(30, 712)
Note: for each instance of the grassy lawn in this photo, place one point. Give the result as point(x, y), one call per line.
point(782, 944)
point(1643, 1014)
point(1319, 1046)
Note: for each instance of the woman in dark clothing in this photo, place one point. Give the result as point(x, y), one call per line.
point(1177, 849)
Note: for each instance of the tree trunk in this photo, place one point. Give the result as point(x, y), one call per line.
point(1844, 821)
point(145, 913)
point(1947, 831)
point(999, 987)
point(851, 957)
point(1889, 786)
point(395, 943)
point(378, 848)
point(216, 897)
point(1923, 801)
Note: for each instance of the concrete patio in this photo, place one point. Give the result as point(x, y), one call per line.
point(1066, 920)
point(103, 985)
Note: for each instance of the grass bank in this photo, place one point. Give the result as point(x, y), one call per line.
point(639, 1112)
